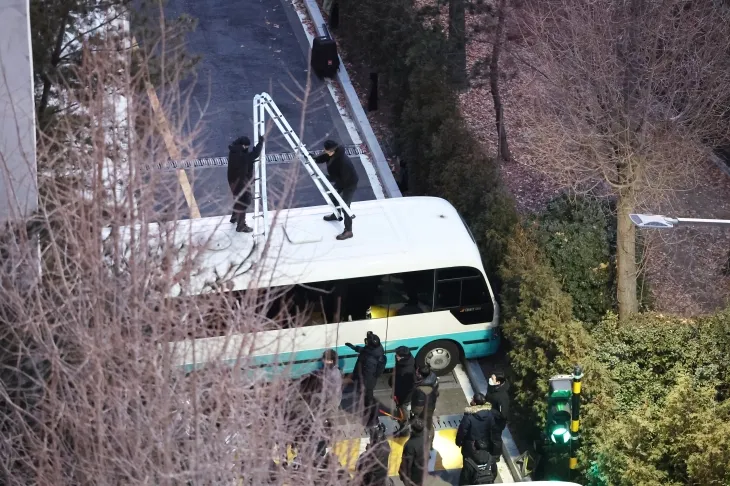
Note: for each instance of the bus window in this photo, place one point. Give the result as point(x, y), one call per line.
point(318, 302)
point(365, 298)
point(410, 293)
point(448, 294)
point(464, 291)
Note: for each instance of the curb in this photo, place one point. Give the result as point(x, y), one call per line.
point(510, 452)
point(359, 118)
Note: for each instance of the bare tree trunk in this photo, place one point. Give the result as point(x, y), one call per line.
point(628, 303)
point(55, 59)
point(457, 39)
point(503, 151)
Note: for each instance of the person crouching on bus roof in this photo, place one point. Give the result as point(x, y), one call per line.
point(369, 366)
point(240, 175)
point(343, 176)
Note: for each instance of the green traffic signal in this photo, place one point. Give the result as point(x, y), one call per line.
point(559, 410)
point(560, 435)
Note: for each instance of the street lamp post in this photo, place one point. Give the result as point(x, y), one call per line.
point(652, 221)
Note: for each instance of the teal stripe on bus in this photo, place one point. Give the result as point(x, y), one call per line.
point(475, 344)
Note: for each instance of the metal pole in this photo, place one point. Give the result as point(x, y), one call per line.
point(703, 222)
point(575, 422)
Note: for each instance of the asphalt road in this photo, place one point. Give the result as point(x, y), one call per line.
point(248, 47)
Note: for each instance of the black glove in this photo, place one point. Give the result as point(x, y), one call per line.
point(351, 346)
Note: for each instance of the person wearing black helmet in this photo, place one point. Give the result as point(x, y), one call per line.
point(343, 176)
point(372, 465)
point(240, 174)
point(369, 366)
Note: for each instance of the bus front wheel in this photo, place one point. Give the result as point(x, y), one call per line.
point(441, 356)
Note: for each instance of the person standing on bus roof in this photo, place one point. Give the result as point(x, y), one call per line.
point(369, 366)
point(240, 174)
point(343, 176)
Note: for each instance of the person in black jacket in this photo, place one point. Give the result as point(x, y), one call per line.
point(343, 176)
point(497, 395)
point(477, 468)
point(423, 399)
point(240, 174)
point(404, 379)
point(413, 461)
point(476, 425)
point(372, 465)
point(369, 366)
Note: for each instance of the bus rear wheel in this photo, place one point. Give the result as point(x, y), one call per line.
point(441, 356)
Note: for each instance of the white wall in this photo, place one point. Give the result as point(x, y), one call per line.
point(18, 182)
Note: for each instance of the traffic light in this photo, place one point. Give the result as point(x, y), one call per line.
point(559, 412)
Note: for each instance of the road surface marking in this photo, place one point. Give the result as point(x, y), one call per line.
point(448, 455)
point(172, 149)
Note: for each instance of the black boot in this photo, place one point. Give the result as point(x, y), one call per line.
point(234, 217)
point(242, 227)
point(331, 217)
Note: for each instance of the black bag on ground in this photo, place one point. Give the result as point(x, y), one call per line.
point(325, 61)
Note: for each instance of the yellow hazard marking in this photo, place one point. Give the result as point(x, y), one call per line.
point(172, 148)
point(573, 463)
point(576, 387)
point(448, 454)
point(574, 425)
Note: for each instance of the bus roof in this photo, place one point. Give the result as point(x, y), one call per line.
point(391, 236)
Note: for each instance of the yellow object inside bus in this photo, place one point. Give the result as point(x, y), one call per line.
point(378, 312)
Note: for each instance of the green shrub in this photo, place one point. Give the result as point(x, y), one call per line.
point(545, 339)
point(682, 439)
point(665, 420)
point(648, 352)
point(576, 234)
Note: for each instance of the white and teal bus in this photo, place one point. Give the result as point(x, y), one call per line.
point(412, 275)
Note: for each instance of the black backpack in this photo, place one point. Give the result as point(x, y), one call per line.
point(484, 472)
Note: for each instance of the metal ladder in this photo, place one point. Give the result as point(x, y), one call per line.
point(263, 103)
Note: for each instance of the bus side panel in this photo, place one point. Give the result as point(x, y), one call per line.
point(417, 330)
point(301, 349)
